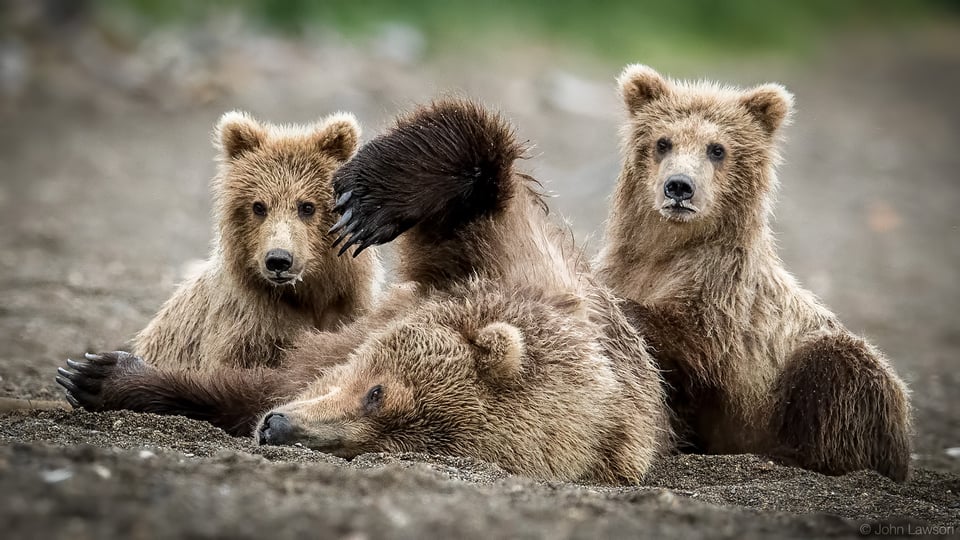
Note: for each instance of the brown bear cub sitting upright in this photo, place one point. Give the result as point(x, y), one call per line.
point(757, 364)
point(500, 346)
point(271, 273)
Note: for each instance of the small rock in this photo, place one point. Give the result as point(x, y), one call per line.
point(102, 471)
point(146, 454)
point(953, 452)
point(666, 497)
point(56, 475)
point(117, 424)
point(187, 454)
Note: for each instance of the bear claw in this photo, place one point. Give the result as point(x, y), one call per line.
point(364, 231)
point(73, 401)
point(367, 218)
point(84, 381)
point(77, 396)
point(344, 219)
point(63, 379)
point(82, 367)
point(342, 201)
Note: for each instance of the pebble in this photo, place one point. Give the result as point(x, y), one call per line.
point(666, 497)
point(146, 454)
point(953, 452)
point(56, 475)
point(102, 471)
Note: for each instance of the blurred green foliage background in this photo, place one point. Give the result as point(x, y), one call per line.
point(619, 28)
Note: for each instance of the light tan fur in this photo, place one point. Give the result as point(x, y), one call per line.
point(714, 298)
point(520, 359)
point(498, 344)
point(231, 314)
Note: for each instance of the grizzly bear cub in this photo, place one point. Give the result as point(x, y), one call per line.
point(271, 273)
point(756, 363)
point(499, 346)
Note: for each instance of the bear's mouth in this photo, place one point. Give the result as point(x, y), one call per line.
point(678, 210)
point(282, 278)
point(329, 438)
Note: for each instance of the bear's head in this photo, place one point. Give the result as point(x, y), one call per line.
point(415, 387)
point(485, 374)
point(699, 153)
point(273, 195)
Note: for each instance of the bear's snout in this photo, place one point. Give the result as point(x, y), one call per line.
point(679, 187)
point(276, 429)
point(278, 260)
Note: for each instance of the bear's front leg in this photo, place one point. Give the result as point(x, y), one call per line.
point(692, 380)
point(231, 399)
point(838, 408)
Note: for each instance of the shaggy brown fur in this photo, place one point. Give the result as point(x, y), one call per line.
point(273, 192)
point(757, 363)
point(500, 347)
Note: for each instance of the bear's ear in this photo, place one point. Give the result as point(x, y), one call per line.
point(639, 85)
point(770, 104)
point(338, 136)
point(501, 351)
point(237, 132)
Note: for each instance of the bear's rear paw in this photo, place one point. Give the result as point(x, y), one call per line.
point(365, 219)
point(86, 380)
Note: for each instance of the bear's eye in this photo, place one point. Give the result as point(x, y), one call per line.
point(664, 145)
point(373, 399)
point(306, 209)
point(259, 208)
point(716, 151)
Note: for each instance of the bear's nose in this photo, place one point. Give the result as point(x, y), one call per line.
point(276, 429)
point(279, 260)
point(679, 187)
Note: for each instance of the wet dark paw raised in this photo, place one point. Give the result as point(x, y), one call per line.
point(366, 219)
point(441, 167)
point(84, 380)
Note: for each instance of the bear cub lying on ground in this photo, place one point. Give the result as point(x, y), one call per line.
point(498, 346)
